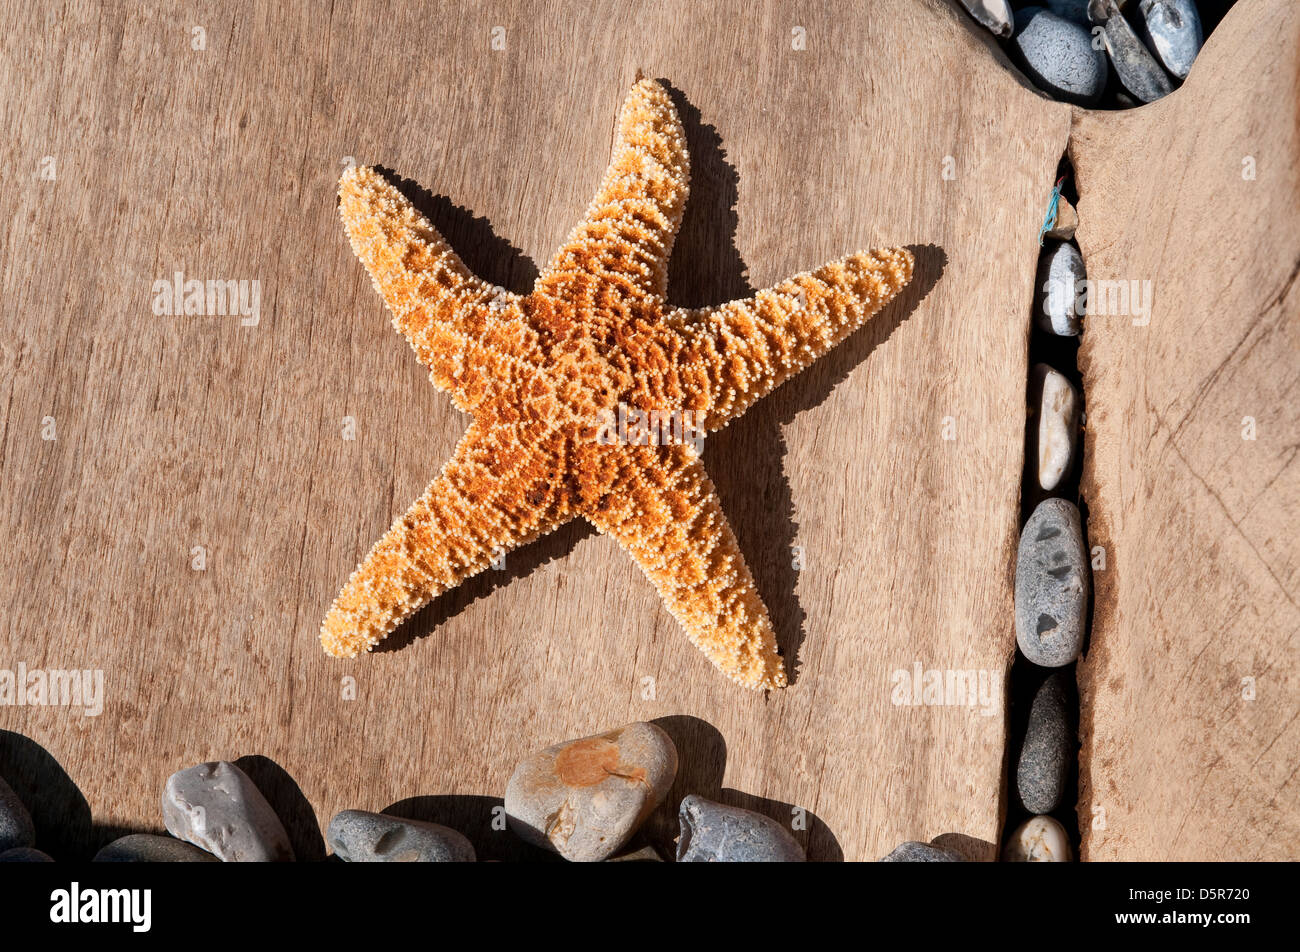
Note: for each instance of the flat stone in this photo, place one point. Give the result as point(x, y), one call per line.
point(361, 837)
point(1044, 762)
point(1051, 585)
point(1058, 56)
point(25, 854)
point(1039, 839)
point(1173, 33)
point(1136, 67)
point(1059, 289)
point(218, 808)
point(716, 833)
point(152, 848)
point(585, 798)
point(994, 15)
point(16, 827)
point(1054, 402)
point(915, 852)
point(1067, 220)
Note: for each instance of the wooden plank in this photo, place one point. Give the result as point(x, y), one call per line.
point(196, 431)
point(1199, 522)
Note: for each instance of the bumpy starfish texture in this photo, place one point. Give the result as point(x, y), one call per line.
point(543, 374)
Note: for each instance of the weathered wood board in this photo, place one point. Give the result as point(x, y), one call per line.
point(1191, 689)
point(179, 432)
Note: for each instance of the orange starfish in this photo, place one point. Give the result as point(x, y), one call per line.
point(545, 375)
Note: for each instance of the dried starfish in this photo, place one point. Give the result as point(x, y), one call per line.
point(542, 375)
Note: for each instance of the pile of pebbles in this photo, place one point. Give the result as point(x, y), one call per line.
point(1113, 54)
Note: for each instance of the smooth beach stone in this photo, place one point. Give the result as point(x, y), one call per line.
point(218, 808)
point(1136, 67)
point(25, 854)
point(1055, 403)
point(716, 833)
point(1173, 32)
point(361, 837)
point(1039, 839)
point(1044, 764)
point(585, 798)
point(1058, 56)
point(1051, 585)
point(995, 15)
point(916, 852)
point(16, 827)
point(152, 848)
point(1059, 287)
point(1067, 220)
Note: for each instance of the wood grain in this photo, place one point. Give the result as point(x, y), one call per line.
point(1199, 523)
point(177, 432)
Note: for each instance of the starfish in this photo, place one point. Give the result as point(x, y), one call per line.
point(544, 374)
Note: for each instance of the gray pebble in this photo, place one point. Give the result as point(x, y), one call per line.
point(218, 808)
point(1044, 757)
point(1051, 585)
point(1136, 67)
point(1173, 31)
point(25, 854)
point(152, 848)
point(715, 833)
point(994, 15)
point(361, 837)
point(1059, 289)
point(1058, 56)
point(585, 798)
point(914, 852)
point(16, 827)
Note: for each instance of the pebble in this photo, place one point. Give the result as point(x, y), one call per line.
point(1073, 10)
point(1058, 56)
point(715, 833)
point(915, 852)
point(1055, 402)
point(1173, 30)
point(646, 854)
point(1059, 286)
point(152, 848)
point(1067, 220)
point(218, 808)
point(993, 14)
point(25, 854)
point(361, 837)
point(1051, 585)
point(1043, 766)
point(16, 827)
point(1136, 67)
point(585, 798)
point(1039, 839)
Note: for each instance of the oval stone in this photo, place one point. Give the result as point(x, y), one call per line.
point(715, 833)
point(152, 848)
point(1051, 585)
point(218, 808)
point(1055, 404)
point(585, 798)
point(1058, 56)
point(1136, 68)
point(16, 827)
point(1059, 289)
point(1173, 31)
point(361, 837)
point(1040, 839)
point(916, 852)
point(25, 854)
point(1044, 764)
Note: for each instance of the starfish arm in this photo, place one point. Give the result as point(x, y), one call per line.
point(664, 511)
point(493, 495)
point(626, 236)
point(736, 353)
point(448, 315)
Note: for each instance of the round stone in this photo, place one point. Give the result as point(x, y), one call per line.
point(361, 837)
point(1060, 289)
point(218, 808)
point(1055, 404)
point(1039, 839)
point(1044, 763)
point(915, 852)
point(152, 848)
point(715, 833)
point(1058, 56)
point(16, 827)
point(1051, 585)
point(25, 854)
point(585, 798)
